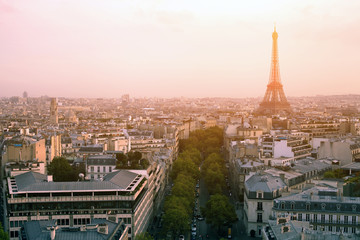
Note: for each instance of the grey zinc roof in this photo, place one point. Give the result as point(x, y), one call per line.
point(36, 182)
point(293, 233)
point(29, 178)
point(106, 160)
point(86, 149)
point(305, 166)
point(352, 166)
point(37, 230)
point(264, 182)
point(121, 178)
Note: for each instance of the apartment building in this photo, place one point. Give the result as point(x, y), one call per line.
point(324, 208)
point(121, 195)
point(97, 229)
point(260, 191)
point(284, 147)
point(97, 166)
point(22, 147)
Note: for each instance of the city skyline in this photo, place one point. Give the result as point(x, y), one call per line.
point(169, 49)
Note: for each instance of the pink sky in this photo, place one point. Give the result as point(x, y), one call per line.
point(203, 48)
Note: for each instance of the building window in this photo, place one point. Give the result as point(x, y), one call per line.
point(315, 227)
point(292, 205)
point(330, 218)
point(338, 206)
point(353, 230)
point(315, 218)
point(323, 205)
point(14, 234)
point(98, 169)
point(346, 219)
point(322, 218)
point(259, 195)
point(353, 220)
point(282, 205)
point(299, 216)
point(259, 206)
point(330, 228)
point(259, 217)
point(337, 229)
point(92, 169)
point(346, 230)
point(308, 206)
point(307, 217)
point(110, 169)
point(354, 208)
point(104, 169)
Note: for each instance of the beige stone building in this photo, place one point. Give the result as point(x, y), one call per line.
point(23, 148)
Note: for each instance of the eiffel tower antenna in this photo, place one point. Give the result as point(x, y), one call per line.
point(274, 101)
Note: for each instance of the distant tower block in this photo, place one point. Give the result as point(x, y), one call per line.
point(54, 111)
point(274, 101)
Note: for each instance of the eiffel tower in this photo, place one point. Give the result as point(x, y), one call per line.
point(274, 101)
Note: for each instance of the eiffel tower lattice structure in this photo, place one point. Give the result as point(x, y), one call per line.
point(274, 101)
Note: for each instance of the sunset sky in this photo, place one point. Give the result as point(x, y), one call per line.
point(173, 48)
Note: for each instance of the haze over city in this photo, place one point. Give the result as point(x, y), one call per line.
point(172, 49)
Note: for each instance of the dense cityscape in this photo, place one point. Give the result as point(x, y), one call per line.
point(122, 168)
point(277, 167)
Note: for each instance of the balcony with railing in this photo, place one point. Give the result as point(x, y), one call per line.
point(341, 222)
point(129, 196)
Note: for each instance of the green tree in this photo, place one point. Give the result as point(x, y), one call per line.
point(214, 177)
point(144, 236)
point(133, 158)
point(144, 163)
point(211, 159)
point(184, 187)
point(3, 235)
point(337, 173)
point(121, 160)
point(329, 174)
point(61, 170)
point(193, 153)
point(176, 220)
point(218, 211)
point(185, 165)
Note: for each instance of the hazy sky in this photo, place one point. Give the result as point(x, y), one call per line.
point(171, 48)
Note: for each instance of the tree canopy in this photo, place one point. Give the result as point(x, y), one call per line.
point(61, 170)
point(131, 160)
point(3, 235)
point(144, 236)
point(185, 172)
point(218, 211)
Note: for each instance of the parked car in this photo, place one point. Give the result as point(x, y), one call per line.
point(200, 218)
point(193, 228)
point(181, 237)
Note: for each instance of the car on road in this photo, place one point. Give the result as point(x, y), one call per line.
point(200, 218)
point(193, 228)
point(197, 185)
